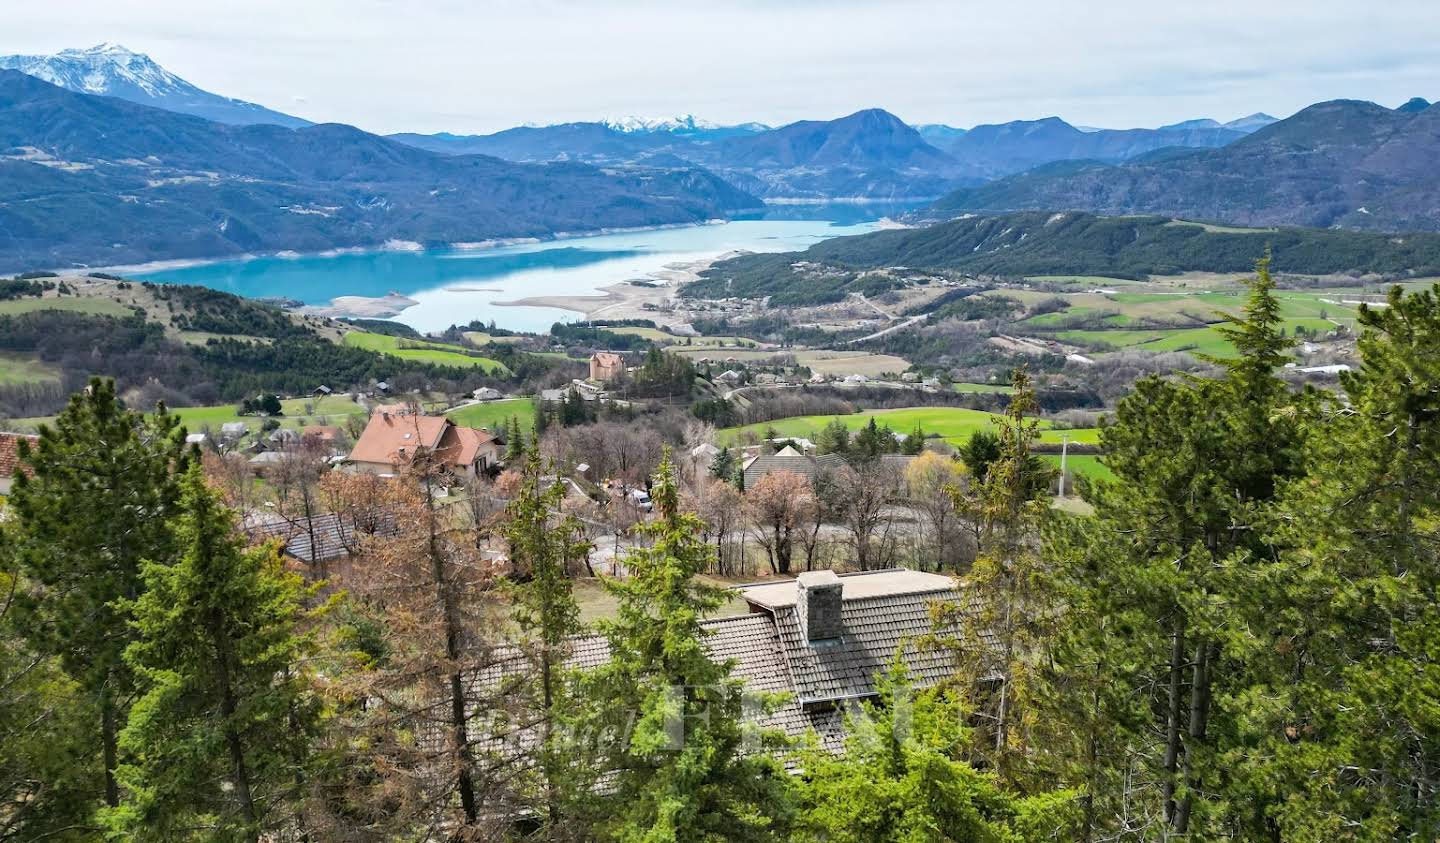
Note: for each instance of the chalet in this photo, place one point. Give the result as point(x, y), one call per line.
point(486, 393)
point(606, 366)
point(819, 639)
point(789, 459)
point(321, 391)
point(390, 441)
point(231, 431)
point(10, 458)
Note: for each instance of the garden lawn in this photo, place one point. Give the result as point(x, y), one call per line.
point(496, 414)
point(953, 424)
point(1082, 465)
point(422, 351)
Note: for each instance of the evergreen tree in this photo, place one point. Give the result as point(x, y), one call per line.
point(834, 438)
point(682, 774)
point(1011, 604)
point(915, 442)
point(1345, 744)
point(1152, 654)
point(722, 467)
point(902, 777)
point(49, 775)
point(979, 451)
point(560, 780)
point(214, 743)
point(514, 441)
point(99, 502)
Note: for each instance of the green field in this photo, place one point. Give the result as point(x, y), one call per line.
point(331, 410)
point(496, 414)
point(983, 387)
point(1083, 465)
point(953, 424)
point(1161, 319)
point(16, 369)
point(82, 304)
point(422, 352)
point(482, 338)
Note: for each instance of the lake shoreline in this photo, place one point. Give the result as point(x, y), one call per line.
point(625, 299)
point(389, 246)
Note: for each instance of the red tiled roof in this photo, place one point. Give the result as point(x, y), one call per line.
point(387, 434)
point(10, 452)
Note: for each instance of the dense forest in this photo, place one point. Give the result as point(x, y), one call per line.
point(137, 353)
point(1238, 643)
point(1043, 243)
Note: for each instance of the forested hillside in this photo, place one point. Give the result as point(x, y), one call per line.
point(1346, 164)
point(1069, 243)
point(87, 180)
point(1236, 644)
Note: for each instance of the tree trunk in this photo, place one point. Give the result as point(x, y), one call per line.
point(110, 742)
point(1172, 724)
point(233, 744)
point(1199, 720)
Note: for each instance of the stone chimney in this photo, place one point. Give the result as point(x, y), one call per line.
point(818, 605)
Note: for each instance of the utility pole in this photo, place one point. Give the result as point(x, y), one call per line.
point(1064, 452)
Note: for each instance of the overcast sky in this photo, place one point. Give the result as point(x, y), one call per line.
point(473, 66)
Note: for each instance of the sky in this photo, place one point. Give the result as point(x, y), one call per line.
point(479, 66)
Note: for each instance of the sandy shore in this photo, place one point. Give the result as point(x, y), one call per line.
point(626, 299)
point(362, 307)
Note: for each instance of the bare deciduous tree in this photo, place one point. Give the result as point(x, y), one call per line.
point(779, 506)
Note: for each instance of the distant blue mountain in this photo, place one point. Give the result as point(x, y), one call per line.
point(113, 71)
point(91, 180)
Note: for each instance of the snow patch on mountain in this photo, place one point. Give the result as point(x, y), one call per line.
point(112, 70)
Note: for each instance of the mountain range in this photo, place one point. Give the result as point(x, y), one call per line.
point(1344, 164)
point(113, 71)
point(91, 180)
point(870, 155)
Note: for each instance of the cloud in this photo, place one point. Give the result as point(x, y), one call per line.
point(430, 65)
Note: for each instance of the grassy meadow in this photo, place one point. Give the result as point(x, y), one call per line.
point(422, 351)
point(953, 424)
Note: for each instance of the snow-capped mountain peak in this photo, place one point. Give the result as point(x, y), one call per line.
point(113, 70)
point(683, 122)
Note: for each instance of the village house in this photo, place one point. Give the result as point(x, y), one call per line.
point(391, 440)
point(10, 458)
point(819, 639)
point(789, 459)
point(606, 366)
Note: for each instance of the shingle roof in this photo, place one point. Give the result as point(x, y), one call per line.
point(333, 535)
point(803, 465)
point(10, 451)
point(771, 655)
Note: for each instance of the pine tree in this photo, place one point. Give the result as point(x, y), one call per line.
point(1345, 743)
point(902, 777)
point(48, 774)
point(681, 775)
point(1011, 605)
point(514, 441)
point(548, 618)
point(834, 438)
point(214, 743)
point(102, 493)
point(1165, 561)
point(722, 467)
point(915, 442)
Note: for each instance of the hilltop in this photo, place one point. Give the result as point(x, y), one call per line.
point(89, 180)
point(1344, 164)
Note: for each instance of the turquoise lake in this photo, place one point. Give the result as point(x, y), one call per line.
point(456, 286)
